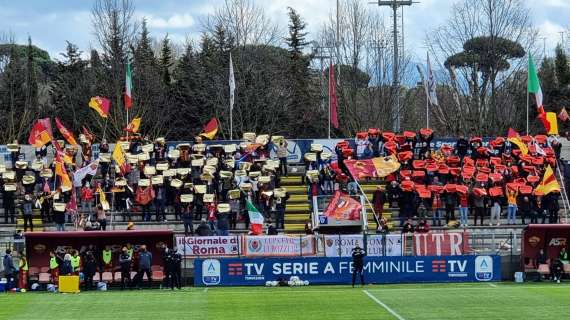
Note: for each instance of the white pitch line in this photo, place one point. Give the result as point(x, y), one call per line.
point(205, 290)
point(492, 285)
point(399, 317)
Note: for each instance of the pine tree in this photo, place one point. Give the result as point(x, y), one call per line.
point(562, 67)
point(301, 96)
point(31, 80)
point(166, 60)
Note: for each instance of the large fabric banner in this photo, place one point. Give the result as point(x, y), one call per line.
point(376, 245)
point(285, 246)
point(372, 168)
point(343, 207)
point(438, 244)
point(323, 270)
point(208, 246)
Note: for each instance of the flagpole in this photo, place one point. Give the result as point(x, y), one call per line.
point(231, 122)
point(427, 112)
point(527, 112)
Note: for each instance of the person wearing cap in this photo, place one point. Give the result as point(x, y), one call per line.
point(358, 255)
point(28, 212)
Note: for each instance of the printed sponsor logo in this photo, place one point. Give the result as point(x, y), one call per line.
point(211, 273)
point(484, 268)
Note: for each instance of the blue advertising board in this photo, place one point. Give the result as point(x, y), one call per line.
point(321, 270)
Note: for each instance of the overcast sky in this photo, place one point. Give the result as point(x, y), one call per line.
point(51, 22)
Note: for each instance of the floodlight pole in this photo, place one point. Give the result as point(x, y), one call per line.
point(395, 4)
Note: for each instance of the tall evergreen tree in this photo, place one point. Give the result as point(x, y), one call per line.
point(31, 80)
point(166, 60)
point(301, 96)
point(562, 67)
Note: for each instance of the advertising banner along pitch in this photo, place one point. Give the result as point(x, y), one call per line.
point(322, 270)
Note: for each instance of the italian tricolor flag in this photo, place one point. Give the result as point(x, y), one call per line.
point(255, 218)
point(548, 119)
point(128, 87)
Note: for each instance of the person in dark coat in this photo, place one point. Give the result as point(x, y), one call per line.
point(203, 229)
point(358, 255)
point(461, 147)
point(175, 269)
point(552, 206)
point(89, 270)
point(125, 261)
point(9, 207)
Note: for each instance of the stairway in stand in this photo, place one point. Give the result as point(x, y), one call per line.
point(297, 212)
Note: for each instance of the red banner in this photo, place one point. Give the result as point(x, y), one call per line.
point(343, 207)
point(441, 244)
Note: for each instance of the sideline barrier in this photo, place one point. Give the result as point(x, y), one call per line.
point(322, 270)
point(423, 244)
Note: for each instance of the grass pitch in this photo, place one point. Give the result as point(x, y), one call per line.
point(415, 301)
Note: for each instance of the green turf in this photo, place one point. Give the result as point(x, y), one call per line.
point(427, 301)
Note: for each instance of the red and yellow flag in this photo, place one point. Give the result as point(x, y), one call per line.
point(64, 180)
point(210, 129)
point(41, 133)
point(548, 183)
point(134, 126)
point(101, 105)
point(343, 207)
point(119, 157)
point(67, 135)
point(372, 168)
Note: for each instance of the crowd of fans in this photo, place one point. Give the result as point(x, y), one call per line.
point(209, 184)
point(468, 176)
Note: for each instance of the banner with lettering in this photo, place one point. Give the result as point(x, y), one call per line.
point(376, 246)
point(279, 246)
point(441, 244)
point(325, 270)
point(208, 246)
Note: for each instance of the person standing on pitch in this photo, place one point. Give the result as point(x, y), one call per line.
point(125, 260)
point(358, 255)
point(175, 269)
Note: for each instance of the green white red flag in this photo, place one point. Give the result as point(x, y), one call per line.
point(255, 218)
point(128, 87)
